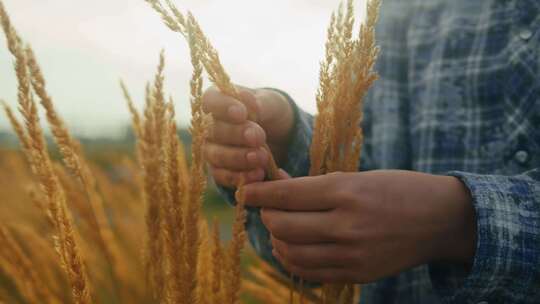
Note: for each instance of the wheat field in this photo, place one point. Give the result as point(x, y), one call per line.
point(131, 227)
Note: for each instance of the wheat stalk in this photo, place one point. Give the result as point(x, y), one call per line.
point(320, 138)
point(177, 22)
point(136, 117)
point(38, 202)
point(40, 252)
point(42, 167)
point(152, 156)
point(233, 275)
point(18, 128)
point(173, 204)
point(199, 132)
point(346, 75)
point(217, 263)
point(69, 147)
point(175, 242)
point(75, 161)
point(204, 266)
point(24, 273)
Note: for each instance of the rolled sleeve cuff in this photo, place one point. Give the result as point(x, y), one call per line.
point(507, 249)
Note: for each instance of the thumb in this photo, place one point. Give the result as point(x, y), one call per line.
point(282, 174)
point(248, 98)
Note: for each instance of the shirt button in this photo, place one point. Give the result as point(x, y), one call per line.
point(525, 34)
point(521, 156)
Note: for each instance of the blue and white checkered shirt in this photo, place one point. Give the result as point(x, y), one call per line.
point(459, 94)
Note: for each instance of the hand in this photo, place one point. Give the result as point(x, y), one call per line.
point(234, 147)
point(360, 227)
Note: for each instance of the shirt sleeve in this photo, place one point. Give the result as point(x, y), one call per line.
point(297, 164)
point(506, 266)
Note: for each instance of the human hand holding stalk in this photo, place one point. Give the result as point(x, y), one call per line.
point(239, 147)
point(249, 113)
point(347, 72)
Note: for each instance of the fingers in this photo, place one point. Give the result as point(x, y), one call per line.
point(282, 174)
point(246, 134)
point(323, 275)
point(297, 194)
point(230, 179)
point(299, 227)
point(235, 158)
point(314, 256)
point(314, 263)
point(248, 99)
point(223, 107)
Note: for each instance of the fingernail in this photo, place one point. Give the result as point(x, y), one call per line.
point(252, 158)
point(250, 135)
point(236, 112)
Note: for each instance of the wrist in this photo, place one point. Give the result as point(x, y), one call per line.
point(457, 239)
point(277, 119)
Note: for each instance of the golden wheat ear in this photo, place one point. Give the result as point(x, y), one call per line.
point(21, 269)
point(217, 264)
point(75, 161)
point(152, 154)
point(41, 164)
point(209, 58)
point(136, 117)
point(17, 127)
point(175, 244)
point(197, 186)
point(346, 74)
point(233, 283)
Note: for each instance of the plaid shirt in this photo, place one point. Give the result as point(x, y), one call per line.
point(459, 94)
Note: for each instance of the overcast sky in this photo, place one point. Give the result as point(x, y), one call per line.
point(84, 47)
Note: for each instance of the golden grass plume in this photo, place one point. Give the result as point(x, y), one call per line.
point(41, 165)
point(209, 58)
point(346, 74)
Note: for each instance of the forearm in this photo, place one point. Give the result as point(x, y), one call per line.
point(455, 238)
